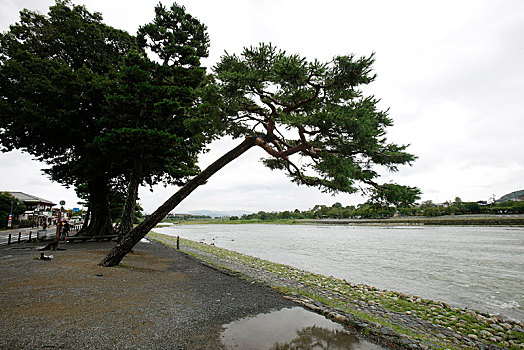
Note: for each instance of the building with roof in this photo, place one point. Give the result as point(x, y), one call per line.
point(37, 209)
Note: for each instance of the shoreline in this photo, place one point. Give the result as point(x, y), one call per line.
point(457, 220)
point(396, 319)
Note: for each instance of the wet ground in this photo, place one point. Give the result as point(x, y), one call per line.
point(291, 328)
point(157, 299)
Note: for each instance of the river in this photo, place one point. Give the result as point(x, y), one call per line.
point(475, 267)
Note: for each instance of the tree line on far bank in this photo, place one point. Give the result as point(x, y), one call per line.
point(371, 211)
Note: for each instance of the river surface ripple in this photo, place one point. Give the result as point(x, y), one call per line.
point(475, 267)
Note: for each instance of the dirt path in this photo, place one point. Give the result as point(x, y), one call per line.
point(157, 299)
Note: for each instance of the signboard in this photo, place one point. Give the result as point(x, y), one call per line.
point(76, 210)
point(10, 220)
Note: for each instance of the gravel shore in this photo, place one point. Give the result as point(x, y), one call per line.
point(157, 299)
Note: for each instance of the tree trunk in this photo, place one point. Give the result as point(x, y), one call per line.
point(132, 238)
point(128, 216)
point(86, 221)
point(100, 223)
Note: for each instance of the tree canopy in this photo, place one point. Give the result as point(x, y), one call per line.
point(311, 118)
point(94, 104)
point(55, 74)
point(152, 119)
point(155, 130)
point(316, 111)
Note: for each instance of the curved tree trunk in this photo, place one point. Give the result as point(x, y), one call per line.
point(100, 223)
point(128, 216)
point(132, 238)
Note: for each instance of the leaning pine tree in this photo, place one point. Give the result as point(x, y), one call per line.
point(311, 118)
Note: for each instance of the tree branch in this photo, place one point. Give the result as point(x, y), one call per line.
point(263, 97)
point(298, 173)
point(275, 153)
point(299, 104)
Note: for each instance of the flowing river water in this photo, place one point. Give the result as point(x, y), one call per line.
point(480, 268)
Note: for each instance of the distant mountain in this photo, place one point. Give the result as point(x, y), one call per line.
point(214, 213)
point(513, 196)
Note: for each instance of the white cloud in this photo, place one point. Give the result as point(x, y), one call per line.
point(20, 173)
point(451, 73)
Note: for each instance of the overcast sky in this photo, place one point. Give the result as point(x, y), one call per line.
point(451, 72)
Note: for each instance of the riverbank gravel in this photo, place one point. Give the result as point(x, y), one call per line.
point(157, 299)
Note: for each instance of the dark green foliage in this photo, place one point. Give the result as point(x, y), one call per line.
point(371, 210)
point(508, 207)
point(157, 128)
point(399, 196)
point(86, 99)
point(154, 128)
point(55, 73)
point(172, 218)
point(176, 37)
point(313, 119)
point(431, 212)
point(472, 208)
point(408, 211)
point(6, 203)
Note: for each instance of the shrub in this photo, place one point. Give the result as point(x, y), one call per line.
point(431, 212)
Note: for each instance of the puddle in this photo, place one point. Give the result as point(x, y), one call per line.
point(291, 328)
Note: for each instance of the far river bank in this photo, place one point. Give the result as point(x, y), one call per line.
point(449, 220)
